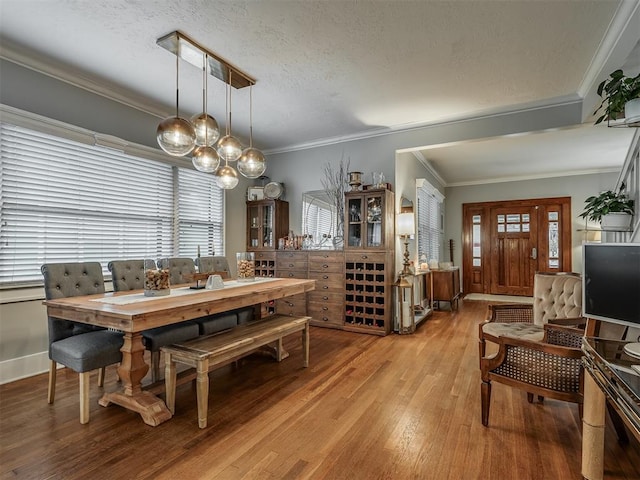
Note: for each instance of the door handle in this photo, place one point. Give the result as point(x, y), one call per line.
point(534, 253)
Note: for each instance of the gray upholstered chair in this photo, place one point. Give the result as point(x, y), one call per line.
point(129, 275)
point(180, 269)
point(216, 264)
point(80, 347)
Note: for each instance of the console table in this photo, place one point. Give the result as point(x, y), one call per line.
point(609, 376)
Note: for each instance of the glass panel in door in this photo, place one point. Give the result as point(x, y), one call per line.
point(354, 227)
point(267, 226)
point(374, 221)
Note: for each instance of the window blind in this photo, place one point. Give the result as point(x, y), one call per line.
point(430, 234)
point(65, 201)
point(200, 214)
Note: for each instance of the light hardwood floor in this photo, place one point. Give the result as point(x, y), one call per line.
point(397, 407)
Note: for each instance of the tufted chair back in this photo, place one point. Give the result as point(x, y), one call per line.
point(556, 295)
point(213, 264)
point(70, 280)
point(128, 274)
point(178, 268)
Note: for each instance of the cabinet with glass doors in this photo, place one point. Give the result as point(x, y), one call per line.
point(369, 220)
point(267, 221)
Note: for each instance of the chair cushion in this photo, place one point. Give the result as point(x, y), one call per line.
point(88, 351)
point(158, 337)
point(217, 323)
point(527, 331)
point(245, 315)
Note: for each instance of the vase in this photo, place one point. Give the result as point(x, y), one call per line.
point(246, 266)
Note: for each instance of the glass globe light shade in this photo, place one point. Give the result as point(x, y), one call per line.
point(205, 159)
point(252, 163)
point(207, 131)
point(176, 136)
point(229, 148)
point(226, 177)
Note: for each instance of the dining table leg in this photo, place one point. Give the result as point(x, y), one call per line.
point(132, 370)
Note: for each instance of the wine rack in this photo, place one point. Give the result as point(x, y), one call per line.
point(368, 288)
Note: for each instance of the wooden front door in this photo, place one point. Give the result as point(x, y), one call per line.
point(505, 243)
point(514, 249)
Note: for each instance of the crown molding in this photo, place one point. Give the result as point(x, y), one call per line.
point(429, 167)
point(378, 132)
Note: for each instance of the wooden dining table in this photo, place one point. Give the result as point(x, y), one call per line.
point(132, 313)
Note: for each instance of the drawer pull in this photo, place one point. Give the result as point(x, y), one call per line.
point(325, 277)
point(325, 308)
point(325, 319)
point(291, 274)
point(291, 265)
point(326, 287)
point(325, 266)
point(365, 256)
point(325, 298)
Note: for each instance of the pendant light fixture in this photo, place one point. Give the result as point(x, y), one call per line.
point(180, 137)
point(226, 177)
point(205, 157)
point(251, 163)
point(229, 148)
point(175, 135)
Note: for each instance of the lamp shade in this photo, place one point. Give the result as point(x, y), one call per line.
point(252, 163)
point(405, 224)
point(206, 127)
point(205, 159)
point(226, 177)
point(176, 136)
point(229, 148)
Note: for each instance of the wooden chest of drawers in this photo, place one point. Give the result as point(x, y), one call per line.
point(326, 302)
point(292, 264)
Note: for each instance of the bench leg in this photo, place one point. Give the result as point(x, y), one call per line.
point(202, 381)
point(170, 382)
point(305, 345)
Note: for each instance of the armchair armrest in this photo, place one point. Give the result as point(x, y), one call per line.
point(577, 322)
point(510, 313)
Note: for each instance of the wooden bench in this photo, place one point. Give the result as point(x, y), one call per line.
point(206, 353)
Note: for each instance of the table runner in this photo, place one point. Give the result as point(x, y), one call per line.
point(175, 292)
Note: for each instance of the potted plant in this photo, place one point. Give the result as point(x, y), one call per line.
point(612, 209)
point(620, 99)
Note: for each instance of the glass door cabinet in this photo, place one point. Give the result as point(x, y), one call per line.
point(369, 219)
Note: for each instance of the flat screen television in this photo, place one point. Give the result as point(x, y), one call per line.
point(611, 282)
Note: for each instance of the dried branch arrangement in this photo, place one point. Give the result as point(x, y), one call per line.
point(335, 183)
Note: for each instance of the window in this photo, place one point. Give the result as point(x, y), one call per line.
point(430, 227)
point(63, 200)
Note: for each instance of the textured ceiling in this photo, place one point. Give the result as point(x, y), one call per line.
point(324, 69)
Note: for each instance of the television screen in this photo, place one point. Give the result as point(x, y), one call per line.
point(611, 282)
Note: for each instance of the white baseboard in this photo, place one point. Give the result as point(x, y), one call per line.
point(23, 367)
